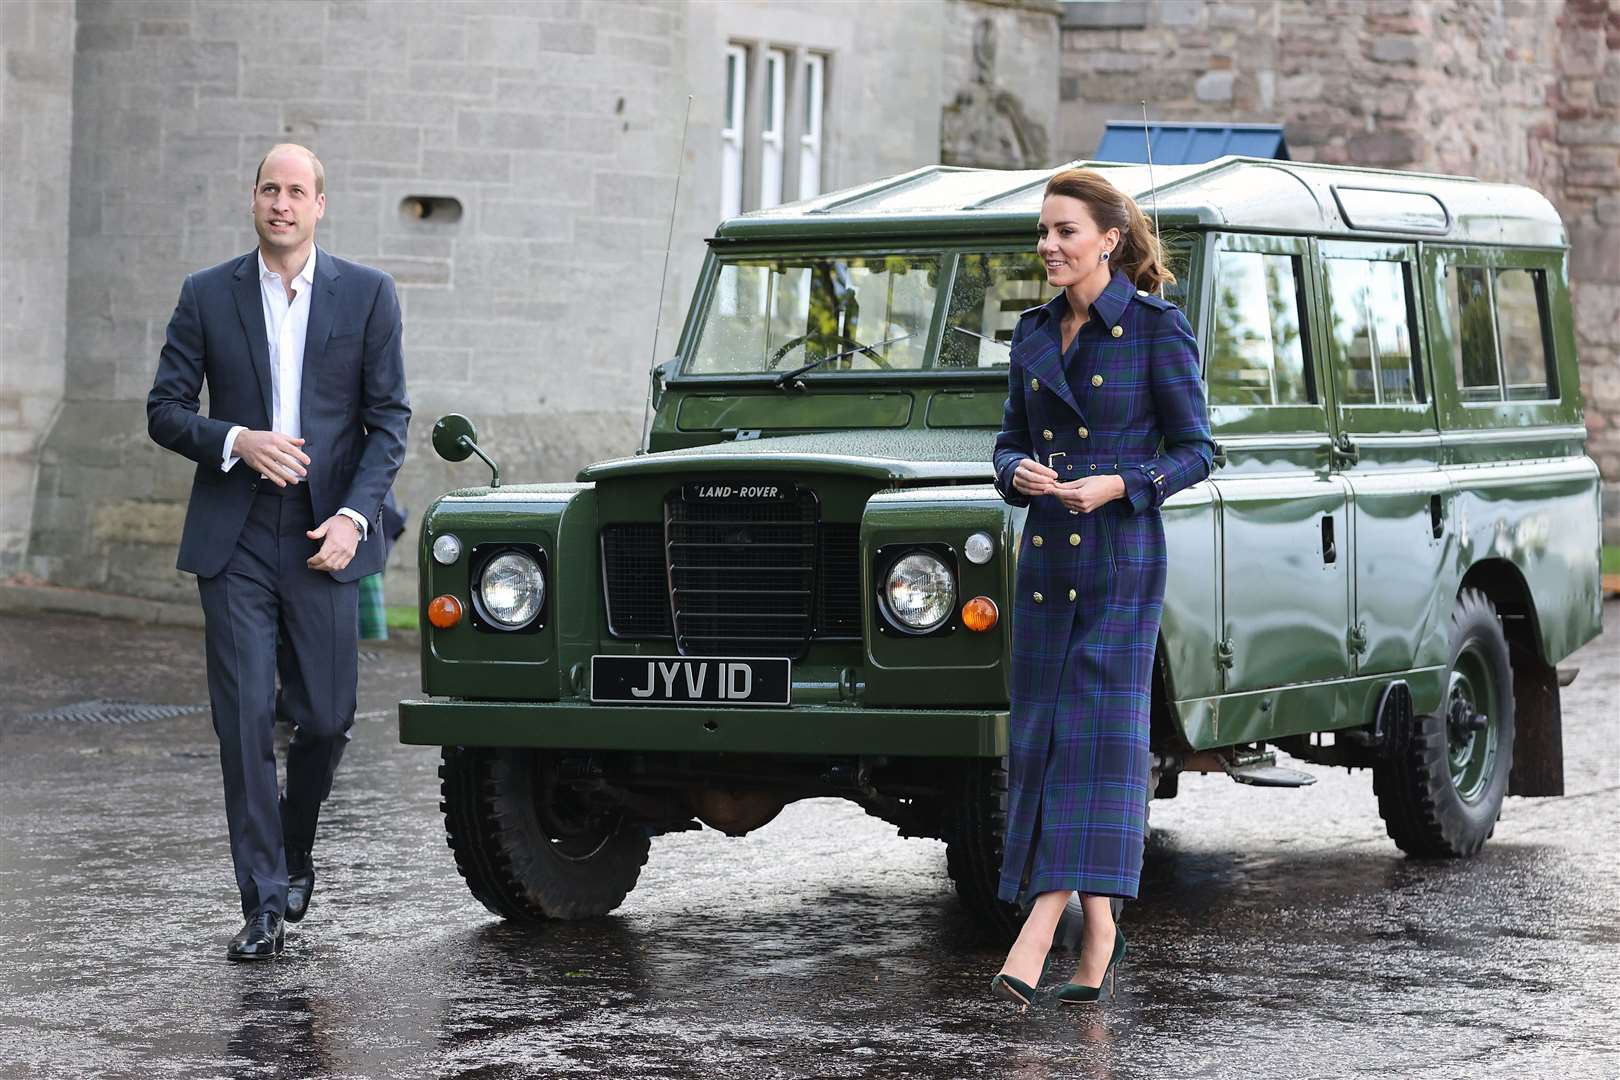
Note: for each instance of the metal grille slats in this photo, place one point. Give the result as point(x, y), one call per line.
point(634, 580)
point(742, 575)
point(838, 602)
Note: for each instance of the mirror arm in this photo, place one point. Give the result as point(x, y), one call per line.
point(494, 469)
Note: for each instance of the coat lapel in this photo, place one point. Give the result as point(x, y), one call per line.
point(250, 310)
point(322, 307)
point(1041, 353)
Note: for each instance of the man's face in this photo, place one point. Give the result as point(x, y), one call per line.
point(285, 206)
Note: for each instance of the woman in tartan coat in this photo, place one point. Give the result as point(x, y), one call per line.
point(1105, 419)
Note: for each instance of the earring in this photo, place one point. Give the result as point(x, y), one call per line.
point(1103, 257)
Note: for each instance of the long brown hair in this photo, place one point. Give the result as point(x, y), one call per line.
point(1139, 253)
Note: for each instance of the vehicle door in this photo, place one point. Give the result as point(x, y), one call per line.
point(1387, 449)
point(1284, 576)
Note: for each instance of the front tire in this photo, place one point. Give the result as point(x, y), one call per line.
point(978, 828)
point(529, 848)
point(1441, 794)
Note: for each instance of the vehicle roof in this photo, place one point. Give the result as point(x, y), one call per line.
point(1233, 193)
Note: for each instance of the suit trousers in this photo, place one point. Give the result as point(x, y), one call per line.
point(267, 610)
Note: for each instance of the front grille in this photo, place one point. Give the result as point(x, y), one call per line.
point(633, 576)
point(742, 575)
point(751, 579)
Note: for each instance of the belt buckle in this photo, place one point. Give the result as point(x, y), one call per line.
point(1051, 459)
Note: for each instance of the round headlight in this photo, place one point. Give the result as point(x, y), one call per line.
point(979, 548)
point(446, 549)
point(512, 589)
point(921, 593)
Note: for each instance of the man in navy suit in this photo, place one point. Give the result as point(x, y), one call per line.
point(305, 431)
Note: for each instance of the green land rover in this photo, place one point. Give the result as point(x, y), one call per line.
point(797, 587)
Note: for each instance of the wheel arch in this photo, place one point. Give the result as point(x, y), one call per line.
point(1538, 752)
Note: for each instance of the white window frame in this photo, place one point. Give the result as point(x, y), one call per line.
point(731, 131)
point(813, 91)
point(773, 123)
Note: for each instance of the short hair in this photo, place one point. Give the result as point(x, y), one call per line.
point(314, 163)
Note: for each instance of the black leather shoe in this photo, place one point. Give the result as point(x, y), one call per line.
point(261, 938)
point(300, 883)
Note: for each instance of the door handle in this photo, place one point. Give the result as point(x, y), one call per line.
point(1330, 552)
point(1345, 451)
point(1437, 516)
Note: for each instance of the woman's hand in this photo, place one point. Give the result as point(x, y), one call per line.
point(1033, 478)
point(1090, 492)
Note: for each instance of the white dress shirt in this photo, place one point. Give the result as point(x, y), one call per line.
point(286, 322)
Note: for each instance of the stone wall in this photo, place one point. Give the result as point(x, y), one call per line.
point(556, 126)
point(1519, 91)
point(36, 99)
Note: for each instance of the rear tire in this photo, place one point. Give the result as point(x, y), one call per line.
point(1441, 794)
point(528, 848)
point(973, 850)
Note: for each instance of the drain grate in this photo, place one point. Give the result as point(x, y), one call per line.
point(103, 711)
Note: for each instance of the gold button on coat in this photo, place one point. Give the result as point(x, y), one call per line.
point(1046, 433)
point(1039, 598)
point(1118, 331)
point(1037, 541)
point(1072, 595)
point(1096, 380)
point(1084, 433)
point(1074, 539)
point(1034, 384)
point(1141, 292)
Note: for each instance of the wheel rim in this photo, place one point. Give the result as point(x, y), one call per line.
point(577, 833)
point(1472, 724)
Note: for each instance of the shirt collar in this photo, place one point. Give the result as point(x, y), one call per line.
point(304, 277)
point(1110, 303)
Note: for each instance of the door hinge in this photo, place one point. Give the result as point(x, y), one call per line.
point(1358, 638)
point(1225, 653)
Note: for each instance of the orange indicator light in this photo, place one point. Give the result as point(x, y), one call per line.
point(979, 614)
point(444, 611)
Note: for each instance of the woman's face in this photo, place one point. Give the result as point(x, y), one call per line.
point(1069, 242)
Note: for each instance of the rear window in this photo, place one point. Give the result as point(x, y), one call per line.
point(1499, 331)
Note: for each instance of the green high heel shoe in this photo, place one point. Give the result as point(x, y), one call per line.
point(1080, 994)
point(1017, 990)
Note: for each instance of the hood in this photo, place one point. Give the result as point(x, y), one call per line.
point(894, 455)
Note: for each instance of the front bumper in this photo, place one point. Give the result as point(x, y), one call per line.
point(807, 729)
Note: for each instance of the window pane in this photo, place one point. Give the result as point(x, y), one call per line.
point(810, 139)
point(991, 290)
point(1473, 334)
point(731, 135)
point(770, 161)
point(773, 315)
point(1524, 338)
point(1371, 332)
point(1256, 354)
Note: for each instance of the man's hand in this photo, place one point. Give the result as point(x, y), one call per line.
point(1033, 478)
point(1090, 492)
point(274, 455)
point(339, 537)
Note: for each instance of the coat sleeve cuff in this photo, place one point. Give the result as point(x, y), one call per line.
point(1140, 489)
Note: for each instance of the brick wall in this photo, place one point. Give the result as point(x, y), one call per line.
point(36, 98)
point(1521, 91)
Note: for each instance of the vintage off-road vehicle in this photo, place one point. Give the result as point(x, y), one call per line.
point(797, 587)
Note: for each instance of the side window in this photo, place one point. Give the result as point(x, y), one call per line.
point(1498, 329)
point(990, 291)
point(1257, 350)
point(1522, 322)
point(1370, 332)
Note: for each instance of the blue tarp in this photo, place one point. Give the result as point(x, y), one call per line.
point(1189, 144)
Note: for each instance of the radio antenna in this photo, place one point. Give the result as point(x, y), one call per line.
point(1153, 187)
point(669, 241)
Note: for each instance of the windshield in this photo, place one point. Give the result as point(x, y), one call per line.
point(836, 313)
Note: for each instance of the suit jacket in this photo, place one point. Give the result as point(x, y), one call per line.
point(353, 407)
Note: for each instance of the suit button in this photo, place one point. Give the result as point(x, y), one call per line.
point(1034, 384)
point(1046, 433)
point(1072, 595)
point(1074, 539)
point(1096, 380)
point(1039, 599)
point(1084, 433)
point(1037, 541)
point(1118, 331)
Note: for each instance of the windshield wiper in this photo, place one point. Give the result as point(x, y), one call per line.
point(981, 337)
point(788, 376)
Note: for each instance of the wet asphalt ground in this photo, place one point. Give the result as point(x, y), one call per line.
point(1280, 933)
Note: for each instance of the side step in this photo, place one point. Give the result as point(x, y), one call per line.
point(1264, 773)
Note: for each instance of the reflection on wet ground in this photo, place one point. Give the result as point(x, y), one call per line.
point(1280, 934)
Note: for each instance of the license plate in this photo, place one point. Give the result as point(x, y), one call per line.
point(691, 680)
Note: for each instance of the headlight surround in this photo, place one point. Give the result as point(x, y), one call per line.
point(511, 590)
point(919, 592)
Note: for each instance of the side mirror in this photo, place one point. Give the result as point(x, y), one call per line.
point(455, 439)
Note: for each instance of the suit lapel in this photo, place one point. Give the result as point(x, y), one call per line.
point(250, 310)
point(322, 307)
point(1041, 354)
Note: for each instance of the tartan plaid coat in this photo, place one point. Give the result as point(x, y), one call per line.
point(1128, 398)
